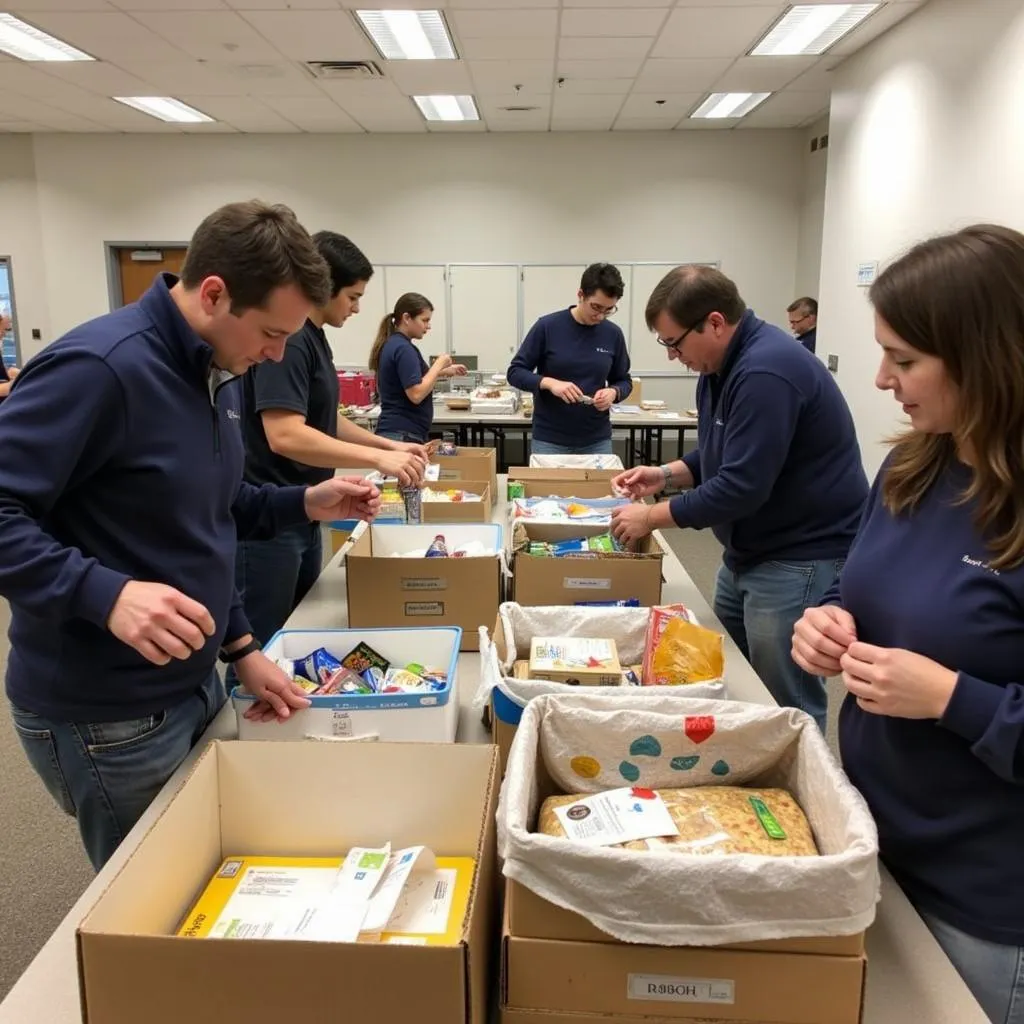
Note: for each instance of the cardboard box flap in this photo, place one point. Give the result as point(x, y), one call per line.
point(386, 540)
point(541, 473)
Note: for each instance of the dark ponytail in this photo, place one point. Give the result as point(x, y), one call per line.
point(412, 303)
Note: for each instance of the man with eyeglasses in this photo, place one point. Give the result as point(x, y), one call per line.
point(803, 321)
point(777, 472)
point(576, 364)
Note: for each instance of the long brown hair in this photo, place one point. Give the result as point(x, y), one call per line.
point(960, 297)
point(412, 303)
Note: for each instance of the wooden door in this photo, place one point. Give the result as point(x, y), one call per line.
point(137, 270)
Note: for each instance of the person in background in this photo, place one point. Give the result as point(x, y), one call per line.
point(9, 372)
point(294, 436)
point(777, 472)
point(576, 364)
point(803, 321)
point(405, 383)
point(927, 622)
point(121, 499)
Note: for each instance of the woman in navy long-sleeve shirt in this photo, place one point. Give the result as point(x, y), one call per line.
point(569, 357)
point(927, 623)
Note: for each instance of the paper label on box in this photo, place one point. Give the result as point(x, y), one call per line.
point(450, 474)
point(424, 607)
point(579, 583)
point(341, 723)
point(664, 988)
point(429, 583)
point(617, 816)
point(425, 904)
point(388, 895)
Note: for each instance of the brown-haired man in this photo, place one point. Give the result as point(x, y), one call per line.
point(121, 499)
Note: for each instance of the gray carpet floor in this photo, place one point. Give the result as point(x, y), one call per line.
point(44, 867)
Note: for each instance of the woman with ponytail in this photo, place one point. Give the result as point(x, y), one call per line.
point(404, 381)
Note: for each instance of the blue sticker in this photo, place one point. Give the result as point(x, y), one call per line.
point(645, 746)
point(684, 764)
point(719, 768)
point(629, 772)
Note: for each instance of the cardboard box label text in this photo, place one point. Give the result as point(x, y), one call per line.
point(666, 989)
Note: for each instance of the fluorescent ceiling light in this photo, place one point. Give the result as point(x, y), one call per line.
point(409, 35)
point(730, 104)
point(811, 28)
point(447, 108)
point(26, 42)
point(166, 108)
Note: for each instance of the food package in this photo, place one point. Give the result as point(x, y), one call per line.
point(451, 494)
point(715, 820)
point(677, 651)
point(578, 661)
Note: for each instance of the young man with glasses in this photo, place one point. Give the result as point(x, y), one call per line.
point(803, 321)
point(576, 364)
point(777, 472)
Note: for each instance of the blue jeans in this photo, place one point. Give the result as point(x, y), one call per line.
point(993, 972)
point(759, 608)
point(106, 774)
point(405, 438)
point(547, 448)
point(274, 575)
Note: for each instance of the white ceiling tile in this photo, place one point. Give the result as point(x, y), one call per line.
point(312, 35)
point(614, 23)
point(43, 113)
point(534, 75)
point(26, 79)
point(648, 4)
point(780, 7)
point(210, 35)
point(29, 7)
point(115, 37)
point(313, 115)
point(763, 74)
point(208, 128)
point(881, 21)
point(659, 74)
point(393, 125)
point(648, 124)
point(599, 68)
point(498, 4)
point(283, 5)
point(603, 48)
point(429, 77)
point(224, 79)
point(769, 120)
point(508, 48)
point(21, 126)
point(569, 106)
point(491, 106)
point(597, 86)
point(395, 5)
point(535, 121)
point(162, 5)
point(789, 101)
point(706, 124)
point(712, 31)
point(99, 77)
point(456, 127)
point(501, 24)
point(241, 112)
point(820, 78)
point(582, 124)
point(645, 107)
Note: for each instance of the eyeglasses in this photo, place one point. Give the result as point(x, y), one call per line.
point(602, 310)
point(806, 316)
point(676, 342)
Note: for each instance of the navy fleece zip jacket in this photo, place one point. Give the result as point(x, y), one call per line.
point(591, 356)
point(947, 794)
point(777, 469)
point(122, 461)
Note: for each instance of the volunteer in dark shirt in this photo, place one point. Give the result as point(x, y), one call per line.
point(294, 436)
point(803, 321)
point(119, 519)
point(405, 384)
point(777, 473)
point(7, 373)
point(927, 623)
point(576, 364)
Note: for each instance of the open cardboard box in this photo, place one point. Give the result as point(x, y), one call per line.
point(384, 591)
point(296, 799)
point(540, 580)
point(458, 511)
point(470, 464)
point(544, 482)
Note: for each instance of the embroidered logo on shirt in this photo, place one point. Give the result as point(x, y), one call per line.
point(605, 351)
point(233, 414)
point(979, 563)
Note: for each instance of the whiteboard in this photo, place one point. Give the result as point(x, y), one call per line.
point(645, 353)
point(431, 283)
point(484, 314)
point(351, 344)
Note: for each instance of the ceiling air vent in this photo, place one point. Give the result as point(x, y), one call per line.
point(518, 110)
point(349, 70)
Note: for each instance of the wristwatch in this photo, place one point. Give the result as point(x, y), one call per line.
point(667, 472)
point(250, 648)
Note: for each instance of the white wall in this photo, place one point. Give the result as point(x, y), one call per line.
point(925, 137)
point(20, 238)
point(812, 213)
point(731, 196)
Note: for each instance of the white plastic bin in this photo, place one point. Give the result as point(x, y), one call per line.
point(427, 717)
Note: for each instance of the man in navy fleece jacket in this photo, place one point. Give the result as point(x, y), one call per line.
point(576, 363)
point(777, 473)
point(121, 500)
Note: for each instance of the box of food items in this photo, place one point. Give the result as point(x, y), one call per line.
point(468, 501)
point(388, 684)
point(560, 482)
point(277, 869)
point(651, 658)
point(433, 574)
point(463, 463)
point(606, 808)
